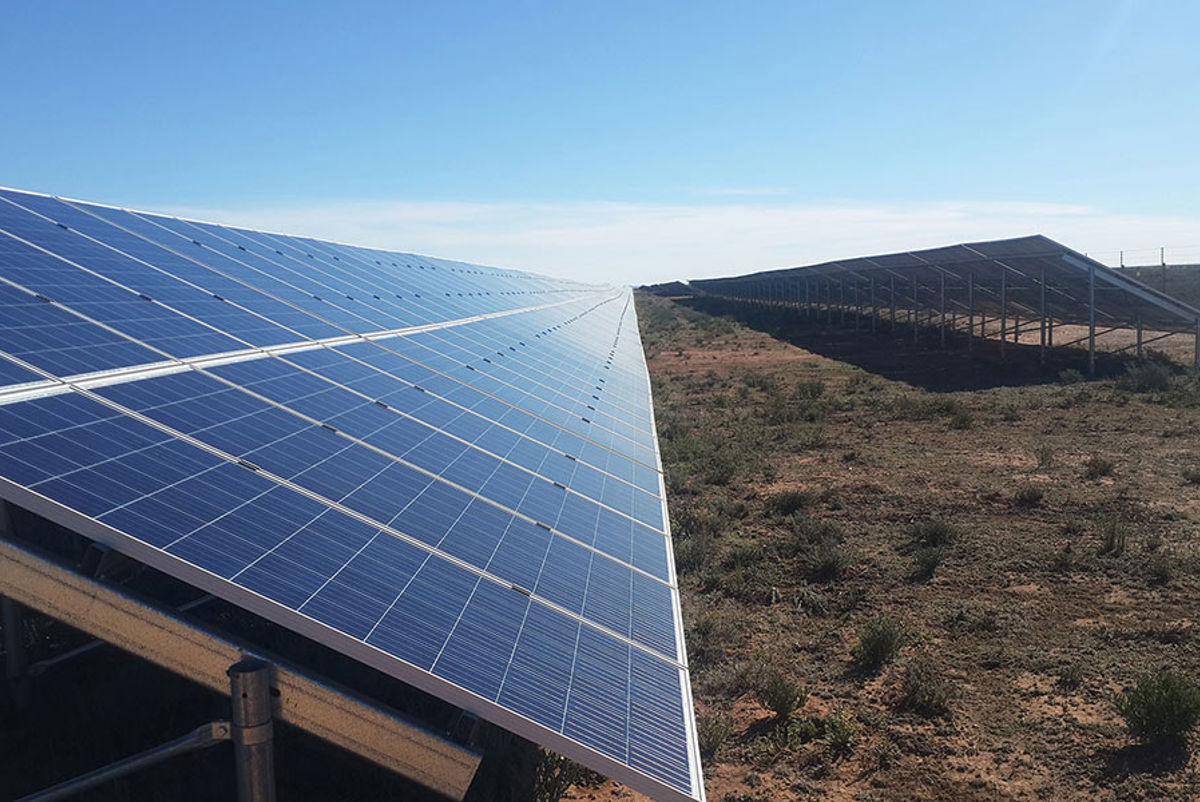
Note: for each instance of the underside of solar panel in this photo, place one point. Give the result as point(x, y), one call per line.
point(448, 472)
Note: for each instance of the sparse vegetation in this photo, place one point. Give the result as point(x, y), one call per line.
point(780, 695)
point(1029, 497)
point(1145, 377)
point(712, 730)
point(1162, 707)
point(1097, 466)
point(925, 690)
point(879, 641)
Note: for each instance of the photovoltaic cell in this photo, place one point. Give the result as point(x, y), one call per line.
point(445, 470)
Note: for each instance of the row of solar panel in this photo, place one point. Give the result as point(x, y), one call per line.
point(469, 627)
point(45, 275)
point(479, 499)
point(351, 372)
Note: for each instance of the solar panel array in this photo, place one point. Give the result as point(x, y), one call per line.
point(1038, 274)
point(447, 471)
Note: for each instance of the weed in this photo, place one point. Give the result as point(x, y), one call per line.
point(1071, 677)
point(962, 419)
point(788, 502)
point(742, 555)
point(1191, 476)
point(1160, 568)
point(712, 730)
point(841, 734)
point(924, 691)
point(1029, 497)
point(812, 600)
point(1045, 456)
point(1010, 414)
point(809, 390)
point(1145, 377)
point(1070, 376)
point(1063, 560)
point(1097, 466)
point(826, 562)
point(1162, 707)
point(556, 774)
point(926, 560)
point(879, 641)
point(780, 695)
point(931, 533)
point(1113, 538)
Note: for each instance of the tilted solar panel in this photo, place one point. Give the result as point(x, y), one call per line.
point(446, 471)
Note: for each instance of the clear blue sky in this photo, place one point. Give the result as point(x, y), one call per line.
point(244, 109)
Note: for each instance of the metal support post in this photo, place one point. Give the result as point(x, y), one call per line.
point(892, 298)
point(970, 311)
point(942, 309)
point(1042, 312)
point(16, 661)
point(1139, 337)
point(874, 306)
point(915, 318)
point(828, 302)
point(253, 731)
point(1003, 309)
point(1016, 329)
point(857, 307)
point(1091, 320)
point(842, 301)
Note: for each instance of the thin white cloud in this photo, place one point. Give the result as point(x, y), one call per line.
point(633, 243)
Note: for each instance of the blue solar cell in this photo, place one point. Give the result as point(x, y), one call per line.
point(479, 501)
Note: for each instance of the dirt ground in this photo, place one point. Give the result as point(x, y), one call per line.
point(1031, 538)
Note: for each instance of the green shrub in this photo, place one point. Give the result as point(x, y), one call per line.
point(1029, 496)
point(780, 695)
point(1191, 476)
point(826, 562)
point(1070, 376)
point(962, 419)
point(1045, 456)
point(1097, 466)
point(1113, 539)
point(1160, 568)
point(712, 730)
point(924, 691)
point(841, 734)
point(808, 390)
point(879, 640)
point(931, 533)
point(926, 560)
point(1145, 377)
point(788, 502)
point(1071, 677)
point(1163, 706)
point(556, 774)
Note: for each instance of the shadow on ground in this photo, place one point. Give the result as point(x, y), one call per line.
point(895, 355)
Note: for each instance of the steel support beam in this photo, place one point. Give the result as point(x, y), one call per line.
point(942, 309)
point(915, 320)
point(331, 713)
point(970, 312)
point(210, 734)
point(874, 306)
point(1003, 308)
point(1042, 315)
point(1091, 320)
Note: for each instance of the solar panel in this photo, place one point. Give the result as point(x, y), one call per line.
point(446, 471)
